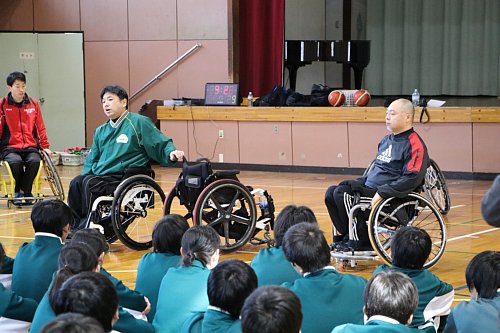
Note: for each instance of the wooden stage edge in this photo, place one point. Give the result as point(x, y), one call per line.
point(323, 114)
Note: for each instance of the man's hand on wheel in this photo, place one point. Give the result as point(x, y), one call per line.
point(48, 151)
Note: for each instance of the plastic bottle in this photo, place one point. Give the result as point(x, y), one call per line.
point(250, 99)
point(415, 98)
point(262, 200)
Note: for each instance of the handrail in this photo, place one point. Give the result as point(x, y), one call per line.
point(158, 77)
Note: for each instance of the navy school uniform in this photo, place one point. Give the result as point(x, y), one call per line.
point(329, 299)
point(272, 268)
point(151, 269)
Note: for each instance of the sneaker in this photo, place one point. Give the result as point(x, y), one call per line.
point(340, 246)
point(360, 245)
point(18, 199)
point(29, 202)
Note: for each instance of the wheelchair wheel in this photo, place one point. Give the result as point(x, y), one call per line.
point(227, 206)
point(52, 176)
point(173, 206)
point(137, 205)
point(415, 210)
point(436, 189)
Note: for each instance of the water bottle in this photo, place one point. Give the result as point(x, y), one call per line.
point(263, 204)
point(415, 98)
point(250, 99)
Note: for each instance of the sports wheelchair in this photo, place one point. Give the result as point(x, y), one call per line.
point(423, 211)
point(220, 200)
point(49, 174)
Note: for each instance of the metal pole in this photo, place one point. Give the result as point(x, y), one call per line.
point(158, 77)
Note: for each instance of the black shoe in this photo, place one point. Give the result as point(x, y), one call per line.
point(360, 245)
point(340, 246)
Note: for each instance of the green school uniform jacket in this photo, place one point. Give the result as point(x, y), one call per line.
point(7, 265)
point(329, 299)
point(127, 298)
point(216, 321)
point(125, 324)
point(34, 266)
point(132, 144)
point(430, 288)
point(374, 326)
point(151, 269)
point(482, 315)
point(183, 292)
point(16, 307)
point(272, 268)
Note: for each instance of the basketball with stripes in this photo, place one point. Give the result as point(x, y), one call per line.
point(361, 97)
point(336, 98)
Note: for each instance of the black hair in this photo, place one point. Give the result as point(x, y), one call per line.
point(271, 309)
point(410, 247)
point(305, 245)
point(2, 255)
point(199, 242)
point(73, 259)
point(12, 77)
point(289, 216)
point(168, 232)
point(91, 294)
point(229, 284)
point(117, 90)
point(93, 238)
point(483, 274)
point(51, 216)
point(72, 323)
point(392, 294)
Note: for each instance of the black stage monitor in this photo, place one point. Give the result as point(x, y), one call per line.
point(222, 94)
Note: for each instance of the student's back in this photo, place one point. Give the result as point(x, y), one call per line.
point(328, 298)
point(36, 262)
point(270, 264)
point(153, 266)
point(183, 290)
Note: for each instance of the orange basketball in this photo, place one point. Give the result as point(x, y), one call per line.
point(361, 97)
point(336, 98)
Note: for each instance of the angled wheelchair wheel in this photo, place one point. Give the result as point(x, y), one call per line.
point(369, 168)
point(52, 176)
point(173, 205)
point(227, 206)
point(391, 214)
point(436, 189)
point(137, 205)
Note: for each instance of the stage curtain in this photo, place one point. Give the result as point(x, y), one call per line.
point(261, 40)
point(440, 47)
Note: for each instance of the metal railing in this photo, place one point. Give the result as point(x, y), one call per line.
point(163, 72)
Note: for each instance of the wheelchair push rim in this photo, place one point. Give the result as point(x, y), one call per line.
point(52, 176)
point(136, 207)
point(436, 189)
point(419, 212)
point(228, 207)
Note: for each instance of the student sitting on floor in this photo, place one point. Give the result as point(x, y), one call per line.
point(482, 313)
point(270, 264)
point(12, 306)
point(153, 266)
point(391, 297)
point(74, 323)
point(130, 301)
point(73, 259)
point(271, 309)
point(410, 249)
point(328, 298)
point(90, 294)
point(36, 262)
point(229, 284)
point(183, 290)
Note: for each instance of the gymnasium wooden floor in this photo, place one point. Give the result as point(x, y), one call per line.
point(468, 234)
